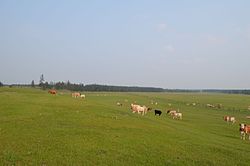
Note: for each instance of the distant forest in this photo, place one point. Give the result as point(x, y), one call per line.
point(108, 88)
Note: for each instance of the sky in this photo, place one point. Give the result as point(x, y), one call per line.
point(189, 44)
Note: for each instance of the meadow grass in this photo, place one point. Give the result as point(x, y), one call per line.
point(37, 128)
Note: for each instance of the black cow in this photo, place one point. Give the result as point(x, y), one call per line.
point(158, 112)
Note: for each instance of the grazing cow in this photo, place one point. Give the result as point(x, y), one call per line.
point(52, 91)
point(177, 115)
point(244, 130)
point(134, 108)
point(171, 112)
point(158, 112)
point(229, 119)
point(83, 96)
point(210, 105)
point(139, 109)
point(119, 104)
point(76, 94)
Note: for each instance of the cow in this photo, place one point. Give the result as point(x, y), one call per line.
point(76, 94)
point(244, 130)
point(158, 112)
point(171, 112)
point(134, 108)
point(229, 119)
point(119, 104)
point(210, 106)
point(142, 109)
point(139, 109)
point(82, 96)
point(177, 115)
point(52, 91)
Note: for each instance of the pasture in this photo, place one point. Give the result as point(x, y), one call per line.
point(37, 128)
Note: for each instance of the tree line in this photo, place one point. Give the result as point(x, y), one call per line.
point(96, 87)
point(109, 88)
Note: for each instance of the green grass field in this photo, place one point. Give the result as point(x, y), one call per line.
point(37, 128)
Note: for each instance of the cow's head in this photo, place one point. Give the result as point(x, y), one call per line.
point(242, 126)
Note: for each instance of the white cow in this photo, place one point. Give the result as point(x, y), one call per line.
point(139, 109)
point(229, 119)
point(82, 96)
point(171, 112)
point(210, 105)
point(119, 104)
point(76, 94)
point(134, 107)
point(177, 115)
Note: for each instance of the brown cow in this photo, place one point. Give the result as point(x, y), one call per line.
point(229, 119)
point(52, 91)
point(76, 94)
point(244, 130)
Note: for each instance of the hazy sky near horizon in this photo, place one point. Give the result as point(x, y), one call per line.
point(160, 43)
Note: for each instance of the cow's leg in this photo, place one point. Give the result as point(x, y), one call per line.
point(242, 134)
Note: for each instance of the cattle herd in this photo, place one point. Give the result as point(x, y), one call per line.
point(143, 110)
point(74, 95)
point(175, 114)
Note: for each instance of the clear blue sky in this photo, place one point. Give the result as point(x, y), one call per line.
point(169, 44)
